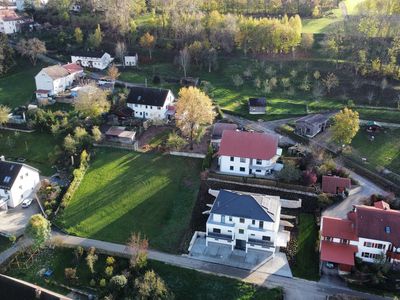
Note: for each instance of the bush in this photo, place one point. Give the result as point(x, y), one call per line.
point(151, 286)
point(103, 283)
point(175, 142)
point(118, 282)
point(208, 159)
point(12, 238)
point(308, 178)
point(324, 200)
point(92, 282)
point(289, 173)
point(110, 261)
point(70, 273)
point(109, 271)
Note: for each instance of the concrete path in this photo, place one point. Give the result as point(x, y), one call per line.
point(294, 288)
point(10, 252)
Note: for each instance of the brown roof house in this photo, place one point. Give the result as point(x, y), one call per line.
point(335, 185)
point(117, 134)
point(311, 125)
point(257, 106)
point(217, 131)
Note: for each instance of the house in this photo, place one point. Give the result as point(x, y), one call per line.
point(51, 81)
point(218, 129)
point(311, 125)
point(131, 60)
point(245, 221)
point(248, 153)
point(10, 21)
point(94, 60)
point(257, 106)
point(17, 182)
point(335, 185)
point(118, 134)
point(150, 103)
point(369, 233)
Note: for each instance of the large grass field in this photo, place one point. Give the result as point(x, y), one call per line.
point(125, 192)
point(34, 147)
point(17, 87)
point(185, 284)
point(383, 151)
point(307, 260)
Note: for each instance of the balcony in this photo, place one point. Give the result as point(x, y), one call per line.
point(212, 222)
point(220, 236)
point(255, 228)
point(264, 244)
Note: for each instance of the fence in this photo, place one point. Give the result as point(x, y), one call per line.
point(132, 147)
point(188, 154)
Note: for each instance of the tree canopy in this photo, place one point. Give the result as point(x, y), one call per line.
point(345, 127)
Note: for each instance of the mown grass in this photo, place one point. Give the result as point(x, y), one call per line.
point(5, 243)
point(125, 192)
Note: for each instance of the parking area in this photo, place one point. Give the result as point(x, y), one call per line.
point(13, 221)
point(262, 261)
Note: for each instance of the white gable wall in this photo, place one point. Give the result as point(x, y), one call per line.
point(23, 186)
point(150, 111)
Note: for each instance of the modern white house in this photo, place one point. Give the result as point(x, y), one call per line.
point(10, 21)
point(17, 182)
point(248, 153)
point(131, 60)
point(56, 79)
point(246, 221)
point(369, 233)
point(151, 103)
point(94, 60)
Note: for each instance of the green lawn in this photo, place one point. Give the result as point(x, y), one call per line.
point(17, 87)
point(185, 284)
point(383, 151)
point(34, 147)
point(307, 259)
point(125, 192)
point(4, 243)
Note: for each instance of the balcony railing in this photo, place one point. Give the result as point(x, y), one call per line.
point(212, 222)
point(255, 228)
point(221, 236)
point(265, 244)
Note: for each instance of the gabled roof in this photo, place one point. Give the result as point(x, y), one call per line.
point(95, 54)
point(248, 144)
point(314, 118)
point(258, 102)
point(73, 68)
point(330, 184)
point(246, 206)
point(8, 173)
point(120, 132)
point(56, 71)
point(9, 15)
point(147, 96)
point(338, 228)
point(338, 253)
point(378, 224)
point(219, 128)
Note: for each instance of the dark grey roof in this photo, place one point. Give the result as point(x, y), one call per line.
point(8, 173)
point(258, 102)
point(245, 206)
point(315, 118)
point(97, 54)
point(219, 128)
point(147, 96)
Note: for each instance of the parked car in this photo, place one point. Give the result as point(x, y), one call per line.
point(27, 202)
point(330, 265)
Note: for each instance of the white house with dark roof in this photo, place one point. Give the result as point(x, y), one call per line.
point(151, 103)
point(248, 153)
point(17, 181)
point(56, 79)
point(246, 221)
point(94, 60)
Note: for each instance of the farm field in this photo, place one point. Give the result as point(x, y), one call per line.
point(125, 192)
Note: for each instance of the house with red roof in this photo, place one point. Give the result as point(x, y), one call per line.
point(248, 153)
point(10, 21)
point(369, 233)
point(335, 185)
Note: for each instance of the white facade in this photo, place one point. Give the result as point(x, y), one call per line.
point(150, 111)
point(100, 63)
point(247, 166)
point(24, 184)
point(131, 60)
point(369, 250)
point(9, 26)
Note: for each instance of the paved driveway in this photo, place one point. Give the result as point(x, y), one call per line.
point(13, 221)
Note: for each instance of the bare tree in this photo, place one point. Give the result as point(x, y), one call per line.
point(184, 60)
point(120, 51)
point(31, 48)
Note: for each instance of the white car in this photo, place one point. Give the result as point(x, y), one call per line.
point(27, 202)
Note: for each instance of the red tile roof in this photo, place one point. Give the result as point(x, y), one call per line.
point(248, 144)
point(338, 253)
point(378, 224)
point(331, 184)
point(338, 228)
point(72, 68)
point(381, 205)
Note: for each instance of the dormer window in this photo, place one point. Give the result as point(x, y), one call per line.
point(7, 179)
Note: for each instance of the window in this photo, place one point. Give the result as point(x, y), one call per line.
point(266, 238)
point(229, 230)
point(241, 231)
point(232, 158)
point(136, 105)
point(242, 160)
point(387, 229)
point(7, 179)
point(344, 241)
point(258, 162)
point(367, 244)
point(230, 219)
point(253, 222)
point(146, 106)
point(261, 224)
point(258, 171)
point(252, 234)
point(216, 230)
point(242, 169)
point(231, 168)
point(140, 113)
point(241, 220)
point(328, 238)
point(159, 108)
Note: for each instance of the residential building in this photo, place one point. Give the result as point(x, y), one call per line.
point(311, 125)
point(10, 21)
point(51, 81)
point(245, 221)
point(17, 182)
point(248, 153)
point(218, 129)
point(369, 233)
point(118, 134)
point(151, 103)
point(335, 185)
point(131, 60)
point(94, 60)
point(257, 106)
